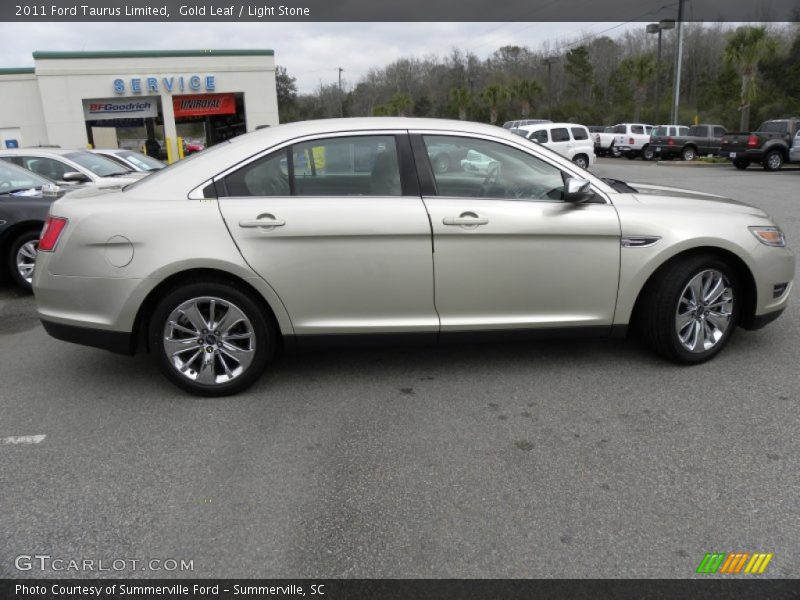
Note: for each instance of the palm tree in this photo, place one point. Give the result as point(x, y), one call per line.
point(640, 70)
point(527, 92)
point(461, 98)
point(494, 95)
point(746, 48)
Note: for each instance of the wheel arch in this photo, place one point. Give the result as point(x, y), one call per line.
point(142, 319)
point(10, 234)
point(736, 262)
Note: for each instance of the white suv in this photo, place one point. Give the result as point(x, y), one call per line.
point(72, 167)
point(632, 139)
point(570, 140)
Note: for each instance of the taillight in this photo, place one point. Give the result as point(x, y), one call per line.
point(752, 140)
point(631, 142)
point(670, 142)
point(51, 233)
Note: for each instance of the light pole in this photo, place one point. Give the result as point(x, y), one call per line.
point(549, 62)
point(658, 28)
point(676, 92)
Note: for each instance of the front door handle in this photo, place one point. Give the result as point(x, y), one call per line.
point(266, 221)
point(467, 219)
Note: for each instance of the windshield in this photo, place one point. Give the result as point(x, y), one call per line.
point(142, 161)
point(15, 179)
point(99, 165)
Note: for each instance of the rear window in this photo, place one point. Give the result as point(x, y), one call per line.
point(637, 129)
point(660, 131)
point(580, 133)
point(775, 127)
point(620, 129)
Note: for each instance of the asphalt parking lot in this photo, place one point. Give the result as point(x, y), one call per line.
point(553, 459)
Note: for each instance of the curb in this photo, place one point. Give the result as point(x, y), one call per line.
point(691, 164)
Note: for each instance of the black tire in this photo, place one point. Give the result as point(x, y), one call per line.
point(26, 237)
point(648, 153)
point(657, 308)
point(688, 154)
point(773, 161)
point(741, 163)
point(582, 161)
point(262, 329)
point(441, 163)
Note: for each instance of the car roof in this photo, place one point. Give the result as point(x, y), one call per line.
point(538, 126)
point(41, 150)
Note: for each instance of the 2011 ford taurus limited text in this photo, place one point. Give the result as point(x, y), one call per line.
point(342, 230)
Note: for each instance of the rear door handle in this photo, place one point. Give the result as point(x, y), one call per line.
point(263, 221)
point(467, 219)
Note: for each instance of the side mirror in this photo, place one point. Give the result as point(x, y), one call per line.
point(75, 177)
point(578, 190)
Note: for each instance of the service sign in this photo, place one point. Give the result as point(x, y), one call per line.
point(116, 108)
point(201, 105)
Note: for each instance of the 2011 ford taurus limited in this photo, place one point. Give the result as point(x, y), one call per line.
point(341, 230)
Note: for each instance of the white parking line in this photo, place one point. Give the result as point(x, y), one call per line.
point(23, 439)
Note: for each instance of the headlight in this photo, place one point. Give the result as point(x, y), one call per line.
point(771, 236)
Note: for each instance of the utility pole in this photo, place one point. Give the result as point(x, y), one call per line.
point(549, 62)
point(659, 28)
point(341, 96)
point(676, 92)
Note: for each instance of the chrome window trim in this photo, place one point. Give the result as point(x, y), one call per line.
point(305, 138)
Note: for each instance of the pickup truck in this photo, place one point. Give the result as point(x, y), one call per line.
point(631, 139)
point(771, 145)
point(689, 143)
point(604, 142)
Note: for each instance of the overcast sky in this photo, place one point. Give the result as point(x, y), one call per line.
point(310, 51)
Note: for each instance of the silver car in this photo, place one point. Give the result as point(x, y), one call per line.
point(72, 167)
point(341, 231)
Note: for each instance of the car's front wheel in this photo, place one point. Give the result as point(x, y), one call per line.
point(211, 339)
point(22, 258)
point(690, 311)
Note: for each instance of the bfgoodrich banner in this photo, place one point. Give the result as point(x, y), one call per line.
point(103, 109)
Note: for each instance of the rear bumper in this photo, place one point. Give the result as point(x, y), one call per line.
point(751, 155)
point(119, 342)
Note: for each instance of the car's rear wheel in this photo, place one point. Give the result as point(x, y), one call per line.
point(581, 160)
point(741, 163)
point(773, 161)
point(22, 258)
point(648, 153)
point(690, 311)
point(211, 339)
point(688, 153)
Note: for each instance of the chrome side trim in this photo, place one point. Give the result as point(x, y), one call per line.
point(639, 241)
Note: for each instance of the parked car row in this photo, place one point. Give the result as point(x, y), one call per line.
point(32, 178)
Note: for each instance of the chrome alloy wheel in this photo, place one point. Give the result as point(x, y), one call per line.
point(705, 309)
point(209, 340)
point(26, 259)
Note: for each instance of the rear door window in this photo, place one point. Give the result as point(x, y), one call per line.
point(580, 133)
point(637, 129)
point(560, 134)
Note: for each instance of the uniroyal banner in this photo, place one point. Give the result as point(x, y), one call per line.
point(120, 108)
point(202, 105)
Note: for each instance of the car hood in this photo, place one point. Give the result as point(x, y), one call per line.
point(662, 195)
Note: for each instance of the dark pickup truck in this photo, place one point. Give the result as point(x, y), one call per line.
point(770, 145)
point(698, 141)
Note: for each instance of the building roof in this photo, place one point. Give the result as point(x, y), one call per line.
point(51, 55)
point(17, 71)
